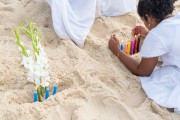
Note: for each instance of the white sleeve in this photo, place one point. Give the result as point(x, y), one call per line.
point(153, 46)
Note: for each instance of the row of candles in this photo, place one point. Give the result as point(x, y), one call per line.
point(132, 47)
point(46, 93)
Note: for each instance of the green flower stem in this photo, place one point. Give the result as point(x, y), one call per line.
point(40, 92)
point(24, 52)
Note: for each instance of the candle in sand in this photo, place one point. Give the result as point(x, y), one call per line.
point(55, 89)
point(47, 93)
point(35, 95)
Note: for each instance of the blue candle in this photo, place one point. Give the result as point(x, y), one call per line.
point(55, 89)
point(122, 47)
point(47, 93)
point(35, 96)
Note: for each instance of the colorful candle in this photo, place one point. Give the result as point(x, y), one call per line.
point(35, 96)
point(128, 48)
point(135, 46)
point(125, 48)
point(55, 89)
point(138, 44)
point(132, 47)
point(122, 47)
point(47, 93)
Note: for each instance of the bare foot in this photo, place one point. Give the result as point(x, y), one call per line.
point(113, 45)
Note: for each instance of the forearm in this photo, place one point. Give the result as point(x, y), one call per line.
point(130, 63)
point(139, 68)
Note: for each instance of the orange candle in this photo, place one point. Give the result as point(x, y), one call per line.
point(125, 48)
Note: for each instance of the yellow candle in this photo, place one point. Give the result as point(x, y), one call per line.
point(128, 48)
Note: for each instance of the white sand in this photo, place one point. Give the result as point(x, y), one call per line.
point(93, 84)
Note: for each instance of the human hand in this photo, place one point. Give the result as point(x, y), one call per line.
point(113, 45)
point(140, 30)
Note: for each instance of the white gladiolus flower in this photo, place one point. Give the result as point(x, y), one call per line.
point(36, 63)
point(37, 70)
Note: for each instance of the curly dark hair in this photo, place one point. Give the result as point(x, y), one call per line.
point(156, 8)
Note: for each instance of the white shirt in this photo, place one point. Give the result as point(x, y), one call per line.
point(164, 41)
point(163, 85)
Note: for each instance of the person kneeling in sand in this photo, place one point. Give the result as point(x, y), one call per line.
point(162, 40)
point(74, 19)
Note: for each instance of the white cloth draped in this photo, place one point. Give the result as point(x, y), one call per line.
point(74, 18)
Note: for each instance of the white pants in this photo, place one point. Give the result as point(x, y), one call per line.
point(163, 86)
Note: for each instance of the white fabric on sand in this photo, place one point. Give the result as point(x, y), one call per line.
point(74, 19)
point(163, 86)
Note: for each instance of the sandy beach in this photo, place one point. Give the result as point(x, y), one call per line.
point(92, 83)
